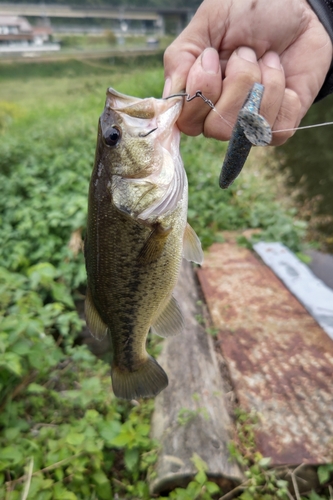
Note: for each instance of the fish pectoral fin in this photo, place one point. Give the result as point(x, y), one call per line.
point(192, 249)
point(169, 321)
point(154, 245)
point(144, 382)
point(96, 325)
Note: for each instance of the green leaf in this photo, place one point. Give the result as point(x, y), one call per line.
point(314, 496)
point(92, 416)
point(109, 430)
point(199, 464)
point(42, 273)
point(304, 258)
point(60, 493)
point(11, 433)
point(281, 483)
point(324, 473)
point(12, 362)
point(43, 495)
point(201, 477)
point(104, 491)
point(47, 483)
point(59, 474)
point(122, 440)
point(143, 429)
point(264, 462)
point(21, 347)
point(246, 495)
point(212, 488)
point(131, 458)
point(11, 454)
point(75, 438)
point(103, 488)
point(35, 486)
point(99, 477)
point(61, 294)
point(35, 388)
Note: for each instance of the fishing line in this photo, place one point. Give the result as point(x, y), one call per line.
point(204, 98)
point(212, 106)
point(303, 128)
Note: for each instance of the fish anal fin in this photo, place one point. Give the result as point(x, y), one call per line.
point(170, 321)
point(192, 249)
point(154, 245)
point(145, 382)
point(96, 325)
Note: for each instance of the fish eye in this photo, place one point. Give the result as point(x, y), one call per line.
point(112, 136)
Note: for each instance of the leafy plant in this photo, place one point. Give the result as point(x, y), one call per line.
point(198, 489)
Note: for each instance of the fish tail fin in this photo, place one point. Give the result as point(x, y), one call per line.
point(147, 381)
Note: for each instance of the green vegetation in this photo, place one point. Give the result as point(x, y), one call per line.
point(106, 41)
point(88, 41)
point(63, 434)
point(307, 160)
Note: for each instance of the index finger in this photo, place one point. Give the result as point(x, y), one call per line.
point(180, 56)
point(178, 60)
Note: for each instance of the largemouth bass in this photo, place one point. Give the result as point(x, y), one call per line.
point(136, 235)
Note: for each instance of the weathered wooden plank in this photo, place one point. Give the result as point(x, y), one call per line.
point(191, 414)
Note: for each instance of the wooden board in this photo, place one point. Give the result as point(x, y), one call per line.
point(191, 414)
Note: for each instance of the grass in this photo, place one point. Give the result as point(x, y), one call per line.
point(63, 434)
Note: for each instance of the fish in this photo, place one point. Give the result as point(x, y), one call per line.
point(136, 236)
point(251, 129)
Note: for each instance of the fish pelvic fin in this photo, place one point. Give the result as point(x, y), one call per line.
point(169, 321)
point(96, 325)
point(145, 382)
point(154, 245)
point(192, 249)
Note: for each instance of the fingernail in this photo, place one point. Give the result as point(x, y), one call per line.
point(247, 54)
point(210, 61)
point(167, 87)
point(272, 60)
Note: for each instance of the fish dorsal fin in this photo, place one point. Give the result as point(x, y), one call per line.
point(154, 245)
point(192, 250)
point(169, 321)
point(96, 325)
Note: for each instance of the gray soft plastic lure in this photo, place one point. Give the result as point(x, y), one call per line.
point(251, 129)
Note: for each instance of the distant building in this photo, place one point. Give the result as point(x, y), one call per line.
point(17, 31)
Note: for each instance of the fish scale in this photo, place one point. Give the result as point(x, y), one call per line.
point(136, 236)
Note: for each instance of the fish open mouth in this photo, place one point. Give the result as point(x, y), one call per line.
point(146, 115)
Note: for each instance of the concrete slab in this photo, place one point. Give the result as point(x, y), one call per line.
point(280, 360)
point(315, 296)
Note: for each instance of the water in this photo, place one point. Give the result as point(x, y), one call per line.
point(308, 160)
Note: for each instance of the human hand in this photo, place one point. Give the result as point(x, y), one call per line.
point(231, 44)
